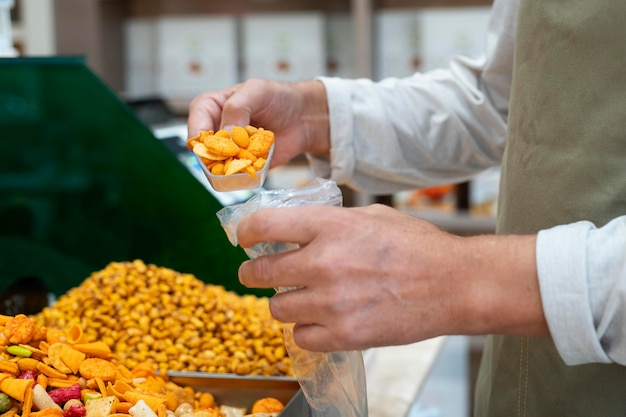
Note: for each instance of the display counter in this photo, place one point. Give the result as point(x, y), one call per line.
point(396, 374)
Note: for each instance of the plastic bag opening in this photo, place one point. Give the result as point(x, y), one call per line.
point(333, 383)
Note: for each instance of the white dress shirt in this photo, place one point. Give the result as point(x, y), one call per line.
point(448, 125)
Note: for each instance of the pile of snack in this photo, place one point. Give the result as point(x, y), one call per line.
point(52, 373)
point(173, 320)
point(244, 149)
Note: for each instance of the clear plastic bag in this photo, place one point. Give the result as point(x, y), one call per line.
point(333, 383)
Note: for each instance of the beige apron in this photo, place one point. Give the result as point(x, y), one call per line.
point(565, 161)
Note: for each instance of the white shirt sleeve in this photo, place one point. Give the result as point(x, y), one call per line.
point(447, 125)
point(436, 127)
point(582, 277)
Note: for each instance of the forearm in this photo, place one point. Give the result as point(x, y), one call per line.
point(315, 117)
point(501, 290)
point(437, 127)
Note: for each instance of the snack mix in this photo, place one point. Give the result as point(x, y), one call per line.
point(242, 150)
point(54, 373)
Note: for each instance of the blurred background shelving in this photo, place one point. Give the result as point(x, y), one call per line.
point(173, 50)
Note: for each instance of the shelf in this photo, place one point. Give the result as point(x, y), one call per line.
point(402, 4)
point(100, 24)
point(150, 8)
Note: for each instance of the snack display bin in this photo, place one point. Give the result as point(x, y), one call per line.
point(84, 182)
point(242, 391)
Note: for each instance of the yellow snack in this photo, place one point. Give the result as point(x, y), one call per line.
point(240, 136)
point(28, 403)
point(206, 400)
point(237, 165)
point(222, 133)
point(44, 381)
point(250, 171)
point(98, 368)
point(36, 353)
point(218, 169)
point(171, 400)
point(136, 308)
point(19, 329)
point(259, 164)
point(121, 387)
point(267, 405)
point(251, 130)
point(70, 357)
point(75, 334)
point(241, 143)
point(96, 349)
point(201, 150)
point(246, 154)
point(50, 372)
point(16, 388)
point(101, 407)
point(219, 145)
point(260, 143)
point(27, 364)
point(54, 354)
point(122, 408)
point(100, 384)
point(59, 383)
point(151, 400)
point(9, 367)
point(191, 142)
point(162, 411)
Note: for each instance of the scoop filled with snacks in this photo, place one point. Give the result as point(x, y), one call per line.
point(234, 160)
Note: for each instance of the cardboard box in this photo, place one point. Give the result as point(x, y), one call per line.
point(283, 46)
point(340, 47)
point(195, 55)
point(451, 31)
point(140, 56)
point(397, 43)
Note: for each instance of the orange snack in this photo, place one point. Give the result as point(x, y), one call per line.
point(50, 372)
point(219, 145)
point(95, 349)
point(16, 388)
point(260, 143)
point(75, 334)
point(9, 367)
point(267, 405)
point(245, 145)
point(27, 363)
point(19, 329)
point(240, 136)
point(98, 368)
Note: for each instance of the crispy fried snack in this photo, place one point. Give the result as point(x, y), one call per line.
point(240, 149)
point(63, 381)
point(219, 145)
point(19, 329)
point(267, 405)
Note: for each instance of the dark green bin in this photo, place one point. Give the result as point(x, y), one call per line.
point(83, 182)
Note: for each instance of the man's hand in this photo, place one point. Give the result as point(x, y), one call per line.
point(296, 112)
point(372, 276)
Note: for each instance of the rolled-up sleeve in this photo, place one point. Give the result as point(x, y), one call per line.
point(435, 127)
point(582, 278)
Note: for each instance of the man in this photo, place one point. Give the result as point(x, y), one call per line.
point(547, 101)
